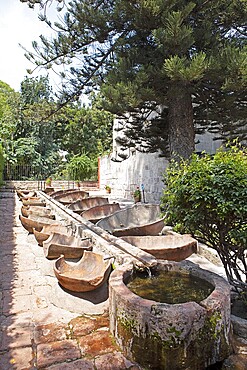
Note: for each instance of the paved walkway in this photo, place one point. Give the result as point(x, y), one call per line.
point(41, 325)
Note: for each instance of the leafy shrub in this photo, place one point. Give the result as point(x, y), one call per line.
point(1, 164)
point(81, 167)
point(207, 197)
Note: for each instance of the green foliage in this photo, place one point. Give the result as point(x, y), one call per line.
point(34, 90)
point(9, 113)
point(32, 134)
point(155, 55)
point(235, 63)
point(48, 181)
point(81, 167)
point(108, 188)
point(1, 164)
point(207, 197)
point(25, 152)
point(93, 128)
point(176, 68)
point(137, 192)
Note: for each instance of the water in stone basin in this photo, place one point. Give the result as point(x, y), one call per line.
point(170, 287)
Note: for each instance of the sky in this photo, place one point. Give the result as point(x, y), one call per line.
point(19, 25)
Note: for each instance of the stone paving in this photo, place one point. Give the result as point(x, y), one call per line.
point(41, 325)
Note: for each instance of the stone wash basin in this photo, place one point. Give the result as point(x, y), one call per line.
point(54, 194)
point(172, 247)
point(34, 202)
point(89, 273)
point(67, 245)
point(82, 205)
point(96, 213)
point(37, 210)
point(70, 197)
point(36, 222)
point(164, 336)
point(140, 219)
point(47, 230)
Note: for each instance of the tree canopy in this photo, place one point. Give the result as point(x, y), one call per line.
point(9, 112)
point(32, 134)
point(186, 61)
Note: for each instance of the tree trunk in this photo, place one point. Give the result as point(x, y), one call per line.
point(180, 118)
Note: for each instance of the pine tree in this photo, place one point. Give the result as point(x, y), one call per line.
point(186, 60)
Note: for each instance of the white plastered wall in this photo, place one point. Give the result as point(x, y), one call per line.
point(141, 168)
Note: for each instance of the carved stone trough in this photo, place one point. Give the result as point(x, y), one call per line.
point(72, 196)
point(68, 246)
point(47, 230)
point(38, 211)
point(83, 204)
point(166, 336)
point(36, 222)
point(172, 247)
point(96, 213)
point(140, 219)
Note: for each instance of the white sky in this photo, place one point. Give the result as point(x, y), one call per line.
point(18, 25)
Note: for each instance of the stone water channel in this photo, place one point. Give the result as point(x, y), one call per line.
point(44, 326)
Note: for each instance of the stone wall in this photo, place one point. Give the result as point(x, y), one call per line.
point(57, 184)
point(141, 168)
point(138, 169)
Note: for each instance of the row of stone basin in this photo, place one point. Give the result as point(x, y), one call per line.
point(182, 336)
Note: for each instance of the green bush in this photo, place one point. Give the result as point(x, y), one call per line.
point(207, 197)
point(81, 167)
point(1, 164)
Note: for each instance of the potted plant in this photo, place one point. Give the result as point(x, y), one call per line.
point(137, 195)
point(108, 189)
point(48, 187)
point(48, 181)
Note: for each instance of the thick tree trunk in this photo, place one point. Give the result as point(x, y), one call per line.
point(180, 117)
